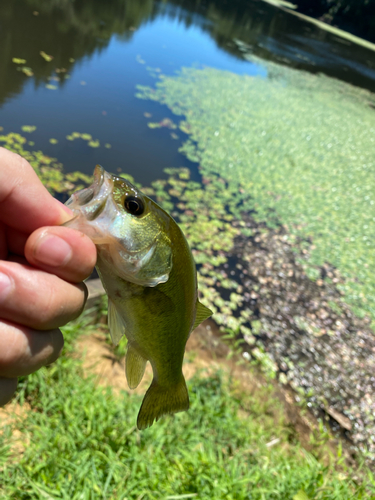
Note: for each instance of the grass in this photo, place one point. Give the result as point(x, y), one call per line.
point(79, 441)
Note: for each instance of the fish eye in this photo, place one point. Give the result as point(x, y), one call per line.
point(134, 205)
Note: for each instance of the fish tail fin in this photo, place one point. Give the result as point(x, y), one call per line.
point(159, 401)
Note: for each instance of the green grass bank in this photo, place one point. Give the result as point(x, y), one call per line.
point(78, 440)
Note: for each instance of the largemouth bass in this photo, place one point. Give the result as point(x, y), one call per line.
point(149, 274)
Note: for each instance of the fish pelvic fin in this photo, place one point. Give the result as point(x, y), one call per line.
point(159, 401)
point(202, 313)
point(115, 323)
point(135, 365)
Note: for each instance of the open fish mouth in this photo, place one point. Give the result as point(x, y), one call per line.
point(84, 196)
point(87, 205)
point(90, 202)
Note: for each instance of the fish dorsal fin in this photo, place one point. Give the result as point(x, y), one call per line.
point(115, 322)
point(135, 365)
point(202, 313)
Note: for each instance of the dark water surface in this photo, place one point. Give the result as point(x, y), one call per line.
point(106, 48)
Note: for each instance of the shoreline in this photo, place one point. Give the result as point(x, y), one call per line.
point(320, 24)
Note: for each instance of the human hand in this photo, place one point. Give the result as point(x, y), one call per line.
point(42, 267)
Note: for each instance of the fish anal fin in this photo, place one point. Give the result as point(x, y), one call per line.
point(135, 365)
point(115, 323)
point(202, 313)
point(159, 401)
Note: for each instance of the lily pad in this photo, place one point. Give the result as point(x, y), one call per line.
point(45, 56)
point(48, 169)
point(28, 128)
point(16, 60)
point(26, 70)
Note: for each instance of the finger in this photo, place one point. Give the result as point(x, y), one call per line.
point(37, 299)
point(25, 203)
point(25, 350)
point(68, 253)
point(8, 387)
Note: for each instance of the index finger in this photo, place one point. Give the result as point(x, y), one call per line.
point(25, 203)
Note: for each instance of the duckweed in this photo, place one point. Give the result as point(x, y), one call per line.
point(48, 169)
point(301, 145)
point(28, 128)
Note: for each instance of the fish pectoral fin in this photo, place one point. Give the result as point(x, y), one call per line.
point(135, 365)
point(159, 401)
point(202, 313)
point(115, 323)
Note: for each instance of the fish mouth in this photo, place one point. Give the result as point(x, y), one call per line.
point(90, 202)
point(86, 195)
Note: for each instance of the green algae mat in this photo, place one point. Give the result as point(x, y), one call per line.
point(301, 146)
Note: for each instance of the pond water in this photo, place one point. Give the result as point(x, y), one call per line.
point(107, 49)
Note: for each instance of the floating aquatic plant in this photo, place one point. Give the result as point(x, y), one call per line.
point(48, 169)
point(45, 56)
point(26, 70)
point(17, 60)
point(93, 143)
point(140, 60)
point(164, 123)
point(28, 128)
point(302, 146)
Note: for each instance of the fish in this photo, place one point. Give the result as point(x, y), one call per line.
point(149, 274)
